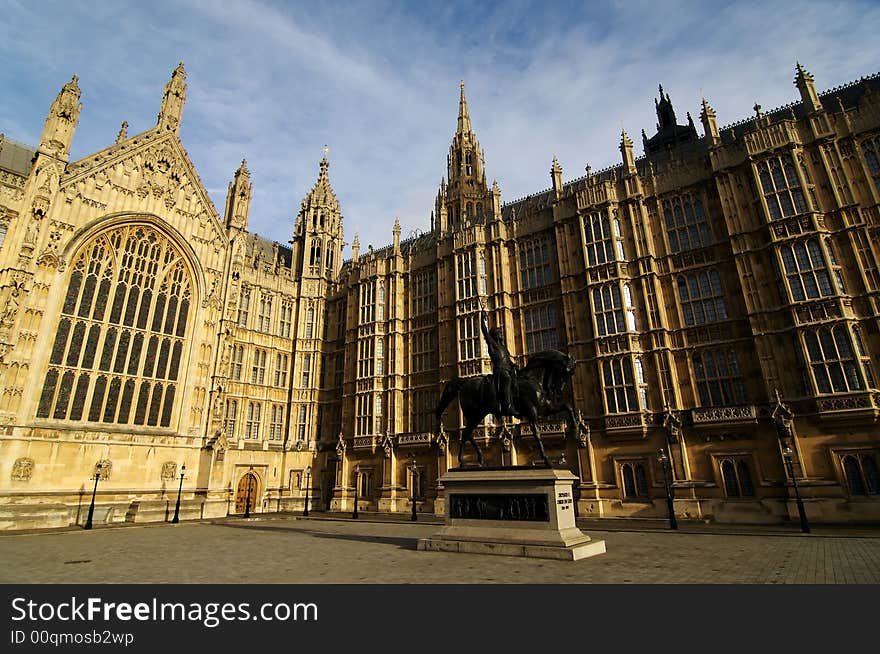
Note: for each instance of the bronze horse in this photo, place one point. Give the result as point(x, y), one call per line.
point(536, 391)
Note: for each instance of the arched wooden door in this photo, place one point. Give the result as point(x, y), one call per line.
point(247, 492)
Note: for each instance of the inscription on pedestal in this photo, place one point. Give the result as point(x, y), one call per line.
point(564, 500)
point(500, 507)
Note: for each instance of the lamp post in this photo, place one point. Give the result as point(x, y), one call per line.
point(308, 483)
point(414, 471)
point(88, 524)
point(357, 479)
point(176, 517)
point(665, 463)
point(247, 502)
point(786, 455)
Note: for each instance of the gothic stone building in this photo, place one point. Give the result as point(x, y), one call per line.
point(720, 293)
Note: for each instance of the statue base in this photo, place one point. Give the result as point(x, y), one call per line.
point(514, 511)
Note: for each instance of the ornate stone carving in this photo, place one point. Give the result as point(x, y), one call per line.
point(500, 507)
point(22, 469)
point(11, 306)
point(506, 438)
point(387, 445)
point(169, 471)
point(212, 299)
point(103, 469)
point(782, 417)
point(848, 402)
point(442, 439)
point(49, 256)
point(363, 442)
point(723, 414)
point(414, 439)
point(627, 420)
point(583, 431)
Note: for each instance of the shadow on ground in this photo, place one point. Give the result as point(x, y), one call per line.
point(402, 543)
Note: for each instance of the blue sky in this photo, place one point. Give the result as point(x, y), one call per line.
point(378, 81)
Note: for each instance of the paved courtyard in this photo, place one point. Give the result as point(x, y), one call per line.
point(301, 551)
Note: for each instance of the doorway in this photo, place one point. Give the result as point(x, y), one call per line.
point(246, 493)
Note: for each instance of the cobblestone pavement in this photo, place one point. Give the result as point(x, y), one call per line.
point(322, 550)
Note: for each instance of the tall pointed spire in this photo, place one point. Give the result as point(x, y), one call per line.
point(172, 102)
point(665, 112)
point(626, 152)
point(710, 124)
point(804, 82)
point(464, 118)
point(556, 176)
point(325, 165)
point(62, 121)
point(317, 232)
point(238, 199)
point(465, 198)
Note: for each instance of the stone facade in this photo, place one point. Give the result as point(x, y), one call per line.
point(721, 294)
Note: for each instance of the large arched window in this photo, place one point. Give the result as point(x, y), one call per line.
point(781, 187)
point(832, 360)
point(719, 381)
point(702, 299)
point(806, 270)
point(686, 223)
point(120, 337)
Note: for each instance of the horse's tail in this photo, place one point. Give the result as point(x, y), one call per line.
point(450, 390)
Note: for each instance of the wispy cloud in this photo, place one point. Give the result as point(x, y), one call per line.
point(273, 82)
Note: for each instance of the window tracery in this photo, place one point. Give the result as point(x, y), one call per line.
point(120, 339)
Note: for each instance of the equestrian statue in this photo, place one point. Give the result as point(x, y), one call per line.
point(528, 393)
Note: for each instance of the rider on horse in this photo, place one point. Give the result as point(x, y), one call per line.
point(503, 367)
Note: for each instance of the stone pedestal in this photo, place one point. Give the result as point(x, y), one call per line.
point(515, 511)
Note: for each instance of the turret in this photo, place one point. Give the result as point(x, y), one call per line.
point(669, 133)
point(61, 122)
point(466, 197)
point(317, 233)
point(172, 102)
point(496, 200)
point(556, 175)
point(238, 199)
point(804, 82)
point(665, 112)
point(710, 125)
point(626, 152)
